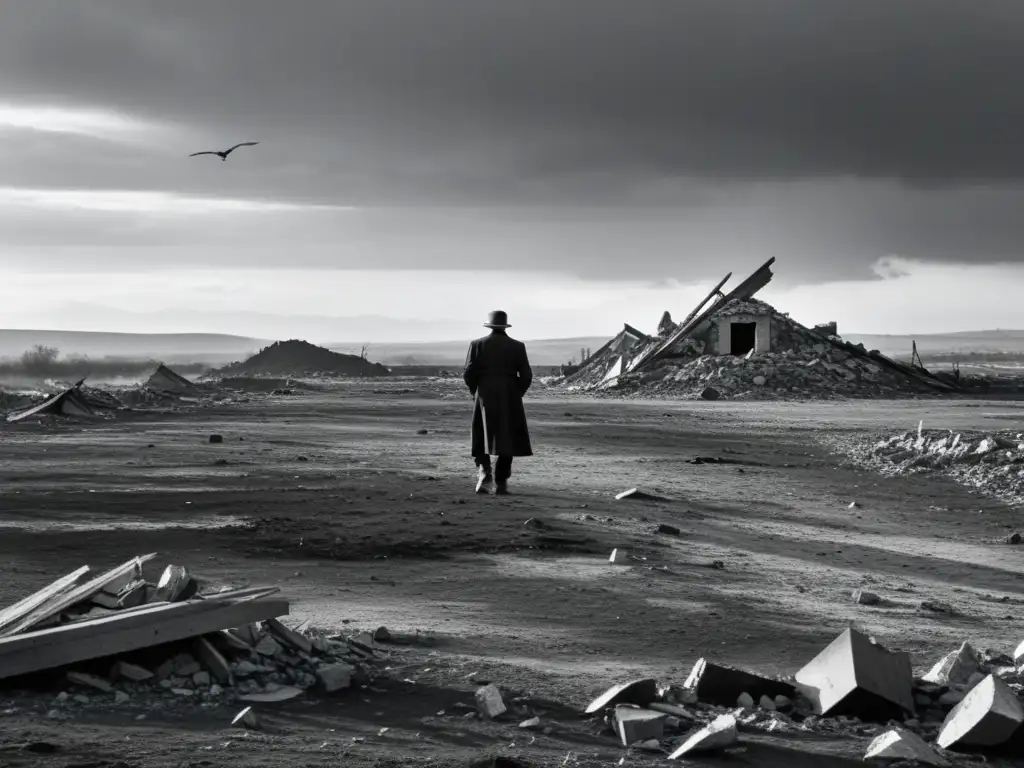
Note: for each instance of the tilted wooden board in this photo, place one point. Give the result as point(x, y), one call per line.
point(22, 608)
point(76, 595)
point(110, 635)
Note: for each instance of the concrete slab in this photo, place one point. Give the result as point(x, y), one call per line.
point(633, 724)
point(718, 734)
point(641, 692)
point(722, 685)
point(856, 676)
point(989, 715)
point(900, 744)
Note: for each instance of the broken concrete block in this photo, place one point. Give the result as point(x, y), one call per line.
point(216, 438)
point(175, 585)
point(863, 597)
point(988, 716)
point(334, 677)
point(91, 681)
point(668, 530)
point(956, 667)
point(856, 676)
point(489, 702)
point(718, 734)
point(619, 557)
point(122, 670)
point(247, 718)
point(901, 744)
point(745, 700)
point(641, 692)
point(268, 646)
point(767, 703)
point(212, 659)
point(1018, 655)
point(721, 685)
point(633, 724)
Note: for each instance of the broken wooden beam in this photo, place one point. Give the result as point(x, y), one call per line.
point(56, 589)
point(120, 633)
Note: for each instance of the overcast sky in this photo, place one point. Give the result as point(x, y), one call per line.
point(579, 163)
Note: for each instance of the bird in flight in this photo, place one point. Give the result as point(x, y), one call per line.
point(224, 155)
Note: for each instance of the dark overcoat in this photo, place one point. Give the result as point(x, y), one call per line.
point(498, 375)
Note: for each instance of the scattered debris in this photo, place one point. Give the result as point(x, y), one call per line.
point(956, 668)
point(248, 719)
point(668, 530)
point(863, 597)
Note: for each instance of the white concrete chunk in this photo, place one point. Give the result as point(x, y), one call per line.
point(956, 667)
point(718, 734)
point(489, 701)
point(986, 717)
point(900, 744)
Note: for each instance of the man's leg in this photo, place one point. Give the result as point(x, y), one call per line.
point(483, 473)
point(502, 472)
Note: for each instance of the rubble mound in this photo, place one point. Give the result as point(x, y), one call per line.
point(300, 358)
point(992, 464)
point(818, 371)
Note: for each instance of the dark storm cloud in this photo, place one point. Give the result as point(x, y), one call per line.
point(553, 103)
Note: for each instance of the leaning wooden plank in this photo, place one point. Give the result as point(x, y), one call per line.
point(72, 643)
point(76, 595)
point(233, 594)
point(23, 607)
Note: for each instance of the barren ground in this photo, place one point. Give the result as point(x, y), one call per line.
point(364, 522)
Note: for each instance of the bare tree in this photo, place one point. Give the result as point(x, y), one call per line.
point(39, 360)
point(362, 352)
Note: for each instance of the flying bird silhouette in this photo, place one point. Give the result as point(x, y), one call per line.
point(224, 155)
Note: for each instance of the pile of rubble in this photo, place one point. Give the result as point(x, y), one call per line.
point(817, 371)
point(300, 358)
point(117, 637)
point(965, 702)
point(992, 464)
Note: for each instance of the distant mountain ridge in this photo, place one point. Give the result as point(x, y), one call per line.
point(169, 347)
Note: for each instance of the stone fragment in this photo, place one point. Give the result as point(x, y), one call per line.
point(289, 636)
point(745, 700)
point(334, 677)
point(120, 697)
point(533, 722)
point(783, 703)
point(856, 676)
point(956, 667)
point(122, 670)
point(722, 685)
point(768, 703)
point(268, 646)
point(710, 393)
point(641, 692)
point(901, 744)
point(759, 381)
point(247, 718)
point(201, 679)
point(90, 681)
point(668, 530)
point(245, 668)
point(988, 716)
point(216, 438)
point(175, 585)
point(718, 734)
point(489, 702)
point(863, 597)
point(619, 557)
point(633, 724)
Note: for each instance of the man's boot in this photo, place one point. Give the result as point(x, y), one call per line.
point(501, 489)
point(483, 481)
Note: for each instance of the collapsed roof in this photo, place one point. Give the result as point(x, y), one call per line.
point(70, 402)
point(631, 350)
point(166, 380)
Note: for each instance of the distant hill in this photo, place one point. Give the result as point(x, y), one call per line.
point(453, 353)
point(942, 343)
point(213, 348)
point(300, 358)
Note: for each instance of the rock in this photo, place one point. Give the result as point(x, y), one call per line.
point(489, 702)
point(718, 734)
point(533, 722)
point(640, 692)
point(247, 718)
point(710, 393)
point(124, 670)
point(1014, 538)
point(767, 702)
point(718, 684)
point(289, 636)
point(759, 381)
point(334, 677)
point(937, 607)
point(863, 597)
point(201, 679)
point(856, 676)
point(669, 530)
point(245, 668)
point(633, 724)
point(745, 700)
point(268, 646)
point(956, 667)
point(216, 438)
point(783, 703)
point(120, 697)
point(175, 585)
point(90, 681)
point(901, 744)
point(988, 716)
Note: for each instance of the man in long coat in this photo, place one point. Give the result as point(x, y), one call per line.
point(498, 375)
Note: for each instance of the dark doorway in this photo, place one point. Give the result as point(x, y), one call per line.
point(743, 337)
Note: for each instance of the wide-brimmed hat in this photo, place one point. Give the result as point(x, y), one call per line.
point(497, 319)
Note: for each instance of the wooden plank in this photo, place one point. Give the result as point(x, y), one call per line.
point(234, 594)
point(76, 595)
point(72, 643)
point(23, 607)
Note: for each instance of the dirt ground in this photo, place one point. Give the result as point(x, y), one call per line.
point(364, 520)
